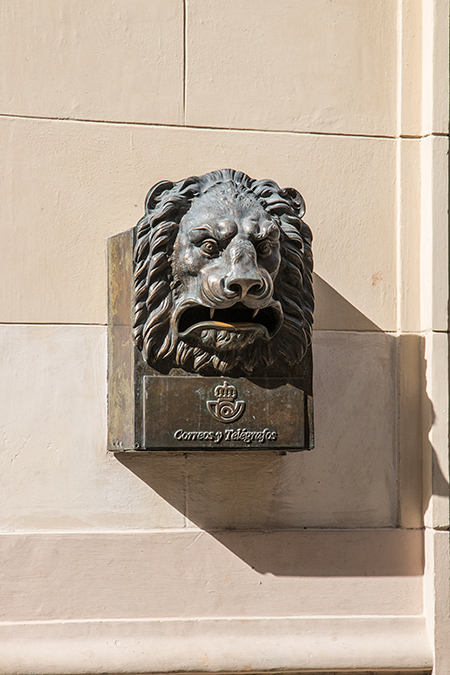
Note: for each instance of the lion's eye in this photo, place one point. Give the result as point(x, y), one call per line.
point(264, 248)
point(210, 247)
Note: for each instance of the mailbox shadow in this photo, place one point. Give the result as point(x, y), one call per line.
point(234, 495)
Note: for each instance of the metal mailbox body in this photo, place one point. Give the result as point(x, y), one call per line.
point(173, 403)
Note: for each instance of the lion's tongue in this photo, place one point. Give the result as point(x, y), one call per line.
point(222, 325)
point(252, 330)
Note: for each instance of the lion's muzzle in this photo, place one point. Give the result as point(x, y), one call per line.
point(232, 326)
point(234, 305)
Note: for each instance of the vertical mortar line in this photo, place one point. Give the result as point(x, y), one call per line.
point(429, 600)
point(428, 18)
point(399, 326)
point(398, 257)
point(184, 58)
point(398, 167)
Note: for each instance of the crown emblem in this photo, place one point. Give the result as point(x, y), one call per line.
point(225, 391)
point(225, 408)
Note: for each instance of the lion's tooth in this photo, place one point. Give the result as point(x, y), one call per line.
point(255, 312)
point(211, 312)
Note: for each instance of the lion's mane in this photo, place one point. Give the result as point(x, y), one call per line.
point(165, 205)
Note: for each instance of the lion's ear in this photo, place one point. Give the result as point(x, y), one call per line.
point(298, 203)
point(155, 193)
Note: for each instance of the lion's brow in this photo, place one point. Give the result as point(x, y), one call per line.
point(272, 232)
point(216, 233)
point(206, 227)
point(200, 232)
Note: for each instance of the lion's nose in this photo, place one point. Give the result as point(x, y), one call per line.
point(243, 282)
point(244, 277)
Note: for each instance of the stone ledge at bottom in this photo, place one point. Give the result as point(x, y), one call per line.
point(374, 643)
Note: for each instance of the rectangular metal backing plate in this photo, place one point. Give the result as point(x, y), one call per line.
point(184, 413)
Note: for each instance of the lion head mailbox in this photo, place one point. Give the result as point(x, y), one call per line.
point(210, 314)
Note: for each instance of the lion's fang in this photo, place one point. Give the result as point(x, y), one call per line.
point(255, 312)
point(211, 312)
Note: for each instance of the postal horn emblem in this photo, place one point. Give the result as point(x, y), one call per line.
point(225, 408)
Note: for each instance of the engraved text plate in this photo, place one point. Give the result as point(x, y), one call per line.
point(221, 414)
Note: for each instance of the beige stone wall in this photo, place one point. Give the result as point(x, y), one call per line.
point(312, 561)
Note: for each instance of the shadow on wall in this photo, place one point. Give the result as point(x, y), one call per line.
point(333, 310)
point(259, 504)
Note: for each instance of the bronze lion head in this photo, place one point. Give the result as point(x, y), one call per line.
point(222, 278)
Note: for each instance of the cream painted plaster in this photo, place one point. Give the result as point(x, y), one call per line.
point(435, 67)
point(59, 476)
point(348, 480)
point(409, 152)
point(55, 471)
point(436, 431)
point(413, 422)
point(67, 186)
point(102, 60)
point(303, 65)
point(353, 645)
point(434, 243)
point(409, 69)
point(187, 574)
point(437, 596)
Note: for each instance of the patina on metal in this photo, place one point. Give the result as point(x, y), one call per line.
point(210, 314)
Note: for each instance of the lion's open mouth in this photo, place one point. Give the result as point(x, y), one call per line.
point(238, 318)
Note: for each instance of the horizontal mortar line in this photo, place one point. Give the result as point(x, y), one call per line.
point(211, 531)
point(200, 619)
point(378, 331)
point(429, 331)
point(92, 323)
point(212, 128)
point(197, 127)
point(387, 331)
point(51, 323)
point(420, 332)
point(446, 134)
point(428, 135)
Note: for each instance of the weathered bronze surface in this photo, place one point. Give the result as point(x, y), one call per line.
point(222, 275)
point(210, 313)
point(205, 418)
